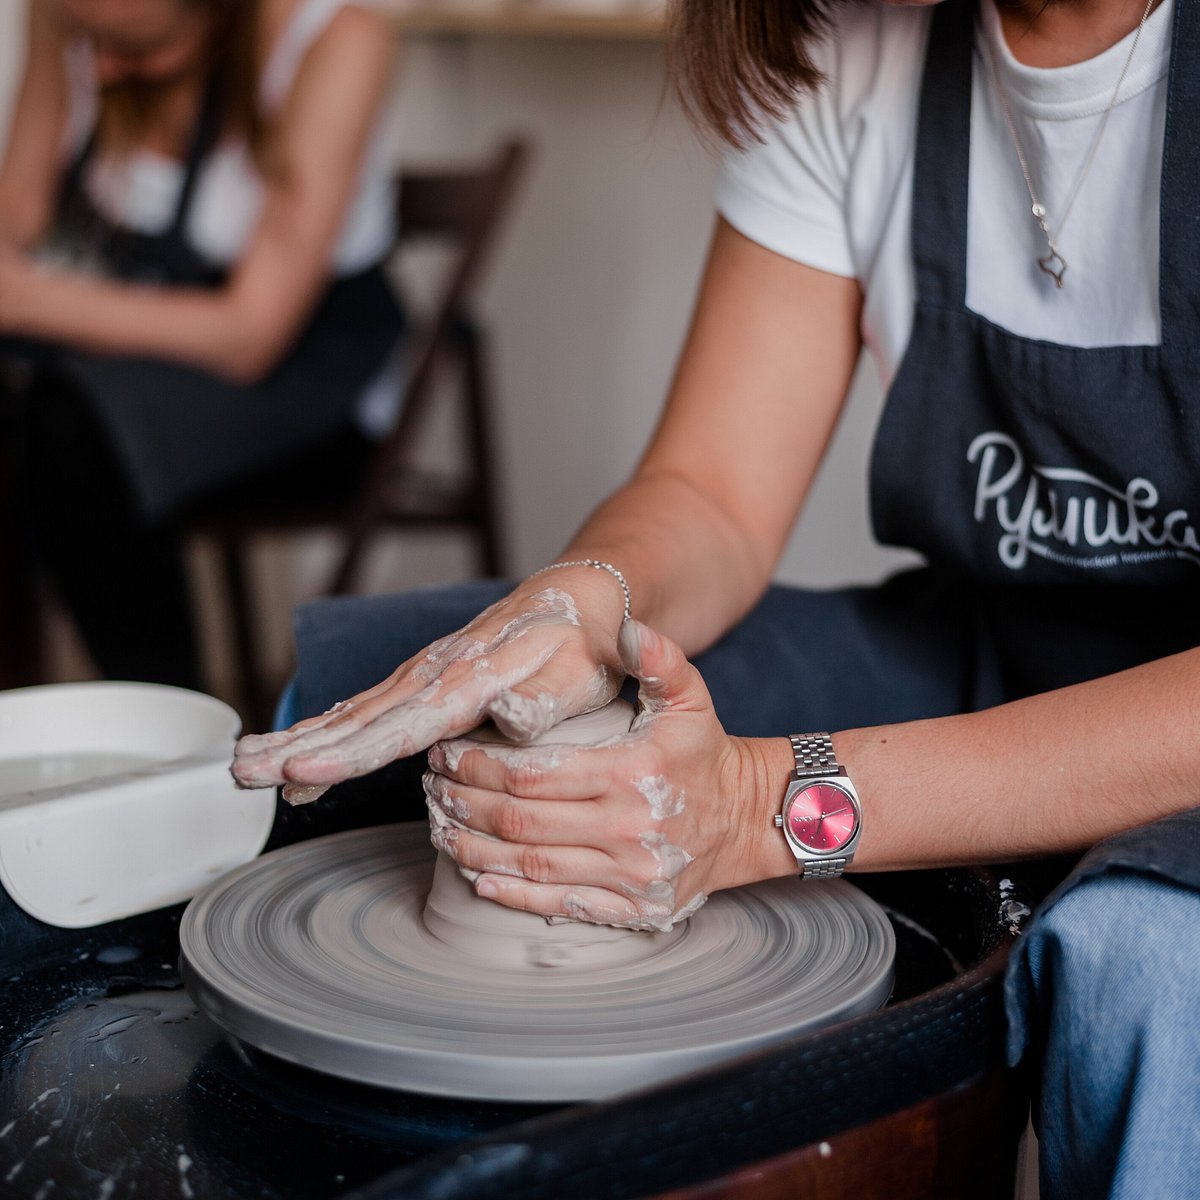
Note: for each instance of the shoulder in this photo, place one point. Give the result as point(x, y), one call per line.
point(871, 57)
point(290, 24)
point(49, 18)
point(319, 38)
point(49, 29)
point(798, 188)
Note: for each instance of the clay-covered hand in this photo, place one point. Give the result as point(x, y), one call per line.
point(538, 656)
point(635, 832)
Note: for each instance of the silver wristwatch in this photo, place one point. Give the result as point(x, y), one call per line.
point(821, 815)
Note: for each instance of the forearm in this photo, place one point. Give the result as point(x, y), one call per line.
point(759, 387)
point(1054, 772)
point(691, 569)
point(209, 329)
point(22, 224)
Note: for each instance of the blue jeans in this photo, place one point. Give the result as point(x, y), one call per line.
point(1103, 991)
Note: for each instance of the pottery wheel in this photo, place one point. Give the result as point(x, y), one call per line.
point(319, 954)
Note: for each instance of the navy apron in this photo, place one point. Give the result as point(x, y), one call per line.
point(179, 430)
point(1062, 483)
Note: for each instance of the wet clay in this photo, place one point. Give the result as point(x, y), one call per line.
point(484, 932)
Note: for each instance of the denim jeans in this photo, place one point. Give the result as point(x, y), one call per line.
point(1103, 992)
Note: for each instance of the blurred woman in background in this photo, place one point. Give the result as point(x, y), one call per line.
point(194, 207)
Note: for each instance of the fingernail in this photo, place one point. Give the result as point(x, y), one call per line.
point(487, 889)
point(437, 755)
point(300, 793)
point(629, 644)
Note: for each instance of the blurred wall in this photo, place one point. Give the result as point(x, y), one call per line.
point(595, 282)
point(588, 297)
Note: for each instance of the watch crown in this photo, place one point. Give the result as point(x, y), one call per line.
point(779, 820)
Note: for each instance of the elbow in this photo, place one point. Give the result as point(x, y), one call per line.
point(244, 369)
point(248, 359)
point(256, 334)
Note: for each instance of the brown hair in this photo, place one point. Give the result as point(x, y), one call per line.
point(738, 62)
point(234, 44)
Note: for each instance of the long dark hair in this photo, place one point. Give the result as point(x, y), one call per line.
point(234, 48)
point(738, 62)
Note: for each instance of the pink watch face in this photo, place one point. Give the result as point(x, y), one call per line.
point(822, 818)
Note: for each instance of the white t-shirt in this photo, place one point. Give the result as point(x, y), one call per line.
point(141, 191)
point(832, 185)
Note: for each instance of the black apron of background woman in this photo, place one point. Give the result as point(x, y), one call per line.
point(116, 445)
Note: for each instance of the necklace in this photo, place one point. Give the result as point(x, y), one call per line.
point(1053, 263)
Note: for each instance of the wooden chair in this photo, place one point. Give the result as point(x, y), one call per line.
point(462, 210)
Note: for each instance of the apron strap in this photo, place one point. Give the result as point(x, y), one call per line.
point(1179, 234)
point(204, 136)
point(72, 182)
point(940, 167)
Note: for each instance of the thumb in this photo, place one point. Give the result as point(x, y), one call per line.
point(667, 680)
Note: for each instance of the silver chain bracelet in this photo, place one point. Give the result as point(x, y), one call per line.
point(600, 566)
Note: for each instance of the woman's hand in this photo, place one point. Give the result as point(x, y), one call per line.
point(636, 832)
point(544, 653)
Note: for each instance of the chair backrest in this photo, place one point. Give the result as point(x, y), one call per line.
point(464, 209)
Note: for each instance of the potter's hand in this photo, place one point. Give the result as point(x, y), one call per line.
point(635, 832)
point(544, 653)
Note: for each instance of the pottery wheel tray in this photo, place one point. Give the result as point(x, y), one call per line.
point(115, 1084)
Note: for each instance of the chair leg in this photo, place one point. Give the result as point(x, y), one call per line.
point(20, 609)
point(246, 674)
point(347, 571)
point(482, 447)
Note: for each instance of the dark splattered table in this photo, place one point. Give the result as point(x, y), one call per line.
point(112, 1084)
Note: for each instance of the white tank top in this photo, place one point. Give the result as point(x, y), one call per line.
point(140, 191)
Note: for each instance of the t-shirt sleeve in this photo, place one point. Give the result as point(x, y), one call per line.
point(789, 192)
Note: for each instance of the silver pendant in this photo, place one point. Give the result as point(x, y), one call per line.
point(1054, 265)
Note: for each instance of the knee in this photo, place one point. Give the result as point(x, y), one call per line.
point(1118, 947)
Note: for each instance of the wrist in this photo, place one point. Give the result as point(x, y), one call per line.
point(820, 816)
point(600, 594)
point(764, 766)
point(595, 564)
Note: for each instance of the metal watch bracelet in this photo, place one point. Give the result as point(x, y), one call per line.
point(814, 755)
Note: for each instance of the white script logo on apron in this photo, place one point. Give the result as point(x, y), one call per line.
point(1061, 514)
